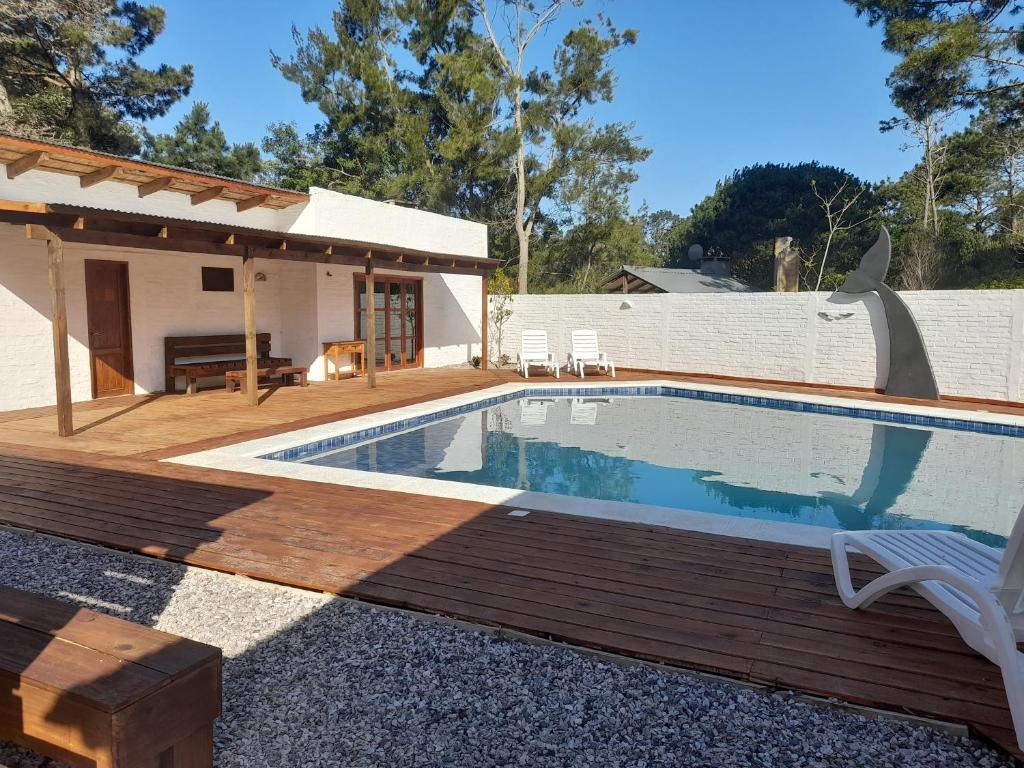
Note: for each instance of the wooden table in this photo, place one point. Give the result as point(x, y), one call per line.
point(333, 350)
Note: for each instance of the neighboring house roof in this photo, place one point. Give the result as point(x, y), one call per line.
point(664, 280)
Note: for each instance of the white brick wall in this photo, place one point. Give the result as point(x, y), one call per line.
point(975, 338)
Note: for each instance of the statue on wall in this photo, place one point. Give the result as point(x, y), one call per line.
point(910, 369)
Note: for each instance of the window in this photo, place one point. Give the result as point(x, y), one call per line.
point(218, 279)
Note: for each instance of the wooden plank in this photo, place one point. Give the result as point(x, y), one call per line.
point(114, 637)
point(25, 163)
point(148, 188)
point(371, 323)
point(253, 202)
point(59, 327)
point(206, 195)
point(249, 307)
point(100, 174)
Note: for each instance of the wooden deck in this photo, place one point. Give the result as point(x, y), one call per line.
point(750, 610)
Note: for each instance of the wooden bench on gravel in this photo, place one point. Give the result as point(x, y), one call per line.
point(95, 691)
point(233, 345)
point(236, 379)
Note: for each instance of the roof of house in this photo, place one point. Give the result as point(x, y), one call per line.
point(102, 227)
point(661, 279)
point(91, 167)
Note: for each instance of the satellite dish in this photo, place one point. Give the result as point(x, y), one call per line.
point(696, 253)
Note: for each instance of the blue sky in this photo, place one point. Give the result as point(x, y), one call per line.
point(712, 85)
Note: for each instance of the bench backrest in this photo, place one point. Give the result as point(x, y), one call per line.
point(176, 347)
point(223, 346)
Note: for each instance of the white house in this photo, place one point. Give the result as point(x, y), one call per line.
point(111, 256)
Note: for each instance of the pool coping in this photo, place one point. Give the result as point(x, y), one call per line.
point(250, 456)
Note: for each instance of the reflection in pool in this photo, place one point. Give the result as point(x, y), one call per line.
point(719, 458)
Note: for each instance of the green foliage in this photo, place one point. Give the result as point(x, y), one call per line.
point(953, 53)
point(69, 71)
point(198, 145)
point(420, 107)
point(747, 211)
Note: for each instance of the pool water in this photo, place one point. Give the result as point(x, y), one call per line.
point(719, 458)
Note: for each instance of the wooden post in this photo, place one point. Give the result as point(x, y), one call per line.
point(371, 324)
point(59, 324)
point(249, 302)
point(484, 321)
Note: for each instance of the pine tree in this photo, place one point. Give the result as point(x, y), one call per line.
point(198, 145)
point(68, 71)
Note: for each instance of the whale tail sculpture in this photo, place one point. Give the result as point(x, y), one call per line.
point(874, 265)
point(910, 369)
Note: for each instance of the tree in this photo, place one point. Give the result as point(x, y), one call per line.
point(419, 130)
point(954, 53)
point(837, 204)
point(926, 126)
point(419, 108)
point(543, 108)
point(198, 145)
point(747, 211)
point(661, 232)
point(69, 70)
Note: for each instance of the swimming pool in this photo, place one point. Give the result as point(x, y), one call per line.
point(740, 456)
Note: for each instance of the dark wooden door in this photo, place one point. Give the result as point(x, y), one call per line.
point(110, 328)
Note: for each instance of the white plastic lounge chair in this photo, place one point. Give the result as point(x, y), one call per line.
point(585, 352)
point(534, 351)
point(533, 412)
point(978, 588)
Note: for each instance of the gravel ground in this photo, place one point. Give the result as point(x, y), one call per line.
point(315, 681)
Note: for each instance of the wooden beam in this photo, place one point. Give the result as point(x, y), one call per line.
point(25, 163)
point(253, 202)
point(100, 174)
point(149, 187)
point(249, 304)
point(206, 195)
point(371, 324)
point(59, 325)
point(484, 322)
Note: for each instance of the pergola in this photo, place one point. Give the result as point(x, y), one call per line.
point(57, 224)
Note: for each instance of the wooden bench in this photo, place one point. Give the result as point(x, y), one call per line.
point(177, 347)
point(236, 379)
point(96, 691)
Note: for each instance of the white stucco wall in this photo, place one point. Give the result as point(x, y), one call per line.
point(975, 338)
point(332, 214)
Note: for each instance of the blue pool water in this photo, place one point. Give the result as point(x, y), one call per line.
point(716, 457)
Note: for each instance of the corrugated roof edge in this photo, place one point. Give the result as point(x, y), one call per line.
point(157, 166)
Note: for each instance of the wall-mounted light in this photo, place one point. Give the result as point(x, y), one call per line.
point(627, 304)
point(261, 277)
point(329, 273)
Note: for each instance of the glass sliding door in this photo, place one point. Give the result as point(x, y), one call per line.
point(397, 303)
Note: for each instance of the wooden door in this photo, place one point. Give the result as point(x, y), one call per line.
point(110, 328)
point(398, 308)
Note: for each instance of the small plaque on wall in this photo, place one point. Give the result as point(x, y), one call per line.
point(218, 279)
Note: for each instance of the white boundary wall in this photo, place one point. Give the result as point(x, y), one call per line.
point(975, 338)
